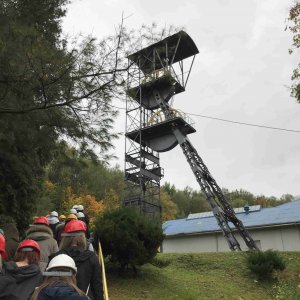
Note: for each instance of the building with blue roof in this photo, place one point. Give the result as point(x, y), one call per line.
point(275, 228)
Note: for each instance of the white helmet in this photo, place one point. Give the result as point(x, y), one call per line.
point(62, 260)
point(54, 214)
point(75, 206)
point(80, 215)
point(73, 211)
point(80, 207)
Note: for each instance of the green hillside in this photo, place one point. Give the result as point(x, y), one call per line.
point(204, 276)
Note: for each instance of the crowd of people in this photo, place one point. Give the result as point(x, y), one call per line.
point(56, 260)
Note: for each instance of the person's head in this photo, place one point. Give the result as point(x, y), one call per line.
point(73, 211)
point(3, 254)
point(80, 216)
point(71, 217)
point(75, 206)
point(28, 251)
point(61, 268)
point(74, 235)
point(53, 220)
point(41, 221)
point(80, 208)
point(62, 218)
point(54, 214)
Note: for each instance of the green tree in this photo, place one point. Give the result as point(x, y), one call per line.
point(169, 208)
point(294, 27)
point(46, 95)
point(127, 237)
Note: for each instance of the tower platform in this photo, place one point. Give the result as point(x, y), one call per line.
point(143, 94)
point(168, 51)
point(159, 137)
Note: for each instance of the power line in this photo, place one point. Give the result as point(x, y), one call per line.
point(230, 121)
point(243, 123)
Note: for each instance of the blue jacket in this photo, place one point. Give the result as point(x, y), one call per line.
point(61, 291)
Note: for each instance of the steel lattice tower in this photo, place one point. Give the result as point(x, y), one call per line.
point(156, 74)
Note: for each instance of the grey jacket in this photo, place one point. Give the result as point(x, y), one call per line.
point(43, 235)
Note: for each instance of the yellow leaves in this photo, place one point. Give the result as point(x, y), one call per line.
point(49, 185)
point(92, 207)
point(169, 208)
point(111, 199)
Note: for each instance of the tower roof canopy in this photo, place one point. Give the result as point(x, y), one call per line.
point(170, 50)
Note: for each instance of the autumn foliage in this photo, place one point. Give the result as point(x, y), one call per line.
point(92, 206)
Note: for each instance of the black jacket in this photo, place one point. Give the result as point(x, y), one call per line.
point(12, 239)
point(7, 286)
point(27, 279)
point(60, 291)
point(88, 270)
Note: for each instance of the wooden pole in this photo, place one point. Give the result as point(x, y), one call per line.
point(101, 261)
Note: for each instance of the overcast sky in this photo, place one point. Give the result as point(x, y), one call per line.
point(242, 73)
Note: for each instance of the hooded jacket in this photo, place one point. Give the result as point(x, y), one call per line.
point(42, 234)
point(12, 239)
point(60, 291)
point(27, 278)
point(88, 270)
point(7, 286)
point(59, 230)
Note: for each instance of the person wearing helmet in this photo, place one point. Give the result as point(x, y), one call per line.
point(80, 208)
point(60, 281)
point(75, 206)
point(71, 217)
point(54, 214)
point(74, 244)
point(62, 218)
point(7, 283)
point(12, 239)
point(24, 270)
point(3, 254)
point(86, 219)
point(53, 221)
point(60, 227)
point(42, 234)
point(73, 211)
point(81, 217)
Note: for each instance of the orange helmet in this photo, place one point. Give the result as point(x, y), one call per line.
point(71, 217)
point(29, 245)
point(74, 227)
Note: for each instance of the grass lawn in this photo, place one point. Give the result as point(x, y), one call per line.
point(204, 276)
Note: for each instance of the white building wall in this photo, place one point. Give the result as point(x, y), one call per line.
point(276, 238)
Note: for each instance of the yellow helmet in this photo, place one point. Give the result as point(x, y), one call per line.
point(71, 217)
point(62, 217)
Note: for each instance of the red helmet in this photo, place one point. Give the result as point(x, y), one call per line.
point(74, 227)
point(41, 220)
point(2, 247)
point(27, 244)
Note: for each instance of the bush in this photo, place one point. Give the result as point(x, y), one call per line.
point(263, 264)
point(127, 237)
point(160, 262)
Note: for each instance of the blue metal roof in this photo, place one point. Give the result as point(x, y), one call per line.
point(279, 215)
